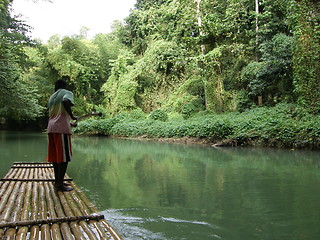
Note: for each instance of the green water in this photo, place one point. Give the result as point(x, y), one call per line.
point(150, 190)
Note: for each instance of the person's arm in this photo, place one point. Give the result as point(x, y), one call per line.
point(67, 106)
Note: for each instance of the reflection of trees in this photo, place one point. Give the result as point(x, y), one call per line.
point(219, 183)
point(252, 189)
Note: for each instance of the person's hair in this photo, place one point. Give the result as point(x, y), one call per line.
point(60, 84)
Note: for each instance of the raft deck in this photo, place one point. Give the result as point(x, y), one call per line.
point(30, 208)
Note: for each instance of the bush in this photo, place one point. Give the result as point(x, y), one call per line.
point(91, 126)
point(243, 101)
point(159, 115)
point(190, 108)
point(137, 114)
point(281, 126)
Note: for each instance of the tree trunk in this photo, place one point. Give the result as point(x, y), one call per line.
point(257, 42)
point(257, 23)
point(203, 47)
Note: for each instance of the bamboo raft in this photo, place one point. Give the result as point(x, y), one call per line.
point(30, 208)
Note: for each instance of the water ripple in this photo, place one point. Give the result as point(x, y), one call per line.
point(130, 227)
point(133, 227)
point(184, 221)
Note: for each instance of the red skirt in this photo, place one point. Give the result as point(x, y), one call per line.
point(59, 148)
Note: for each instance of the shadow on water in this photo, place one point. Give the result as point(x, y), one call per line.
point(150, 190)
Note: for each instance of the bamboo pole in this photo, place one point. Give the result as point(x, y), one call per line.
point(32, 163)
point(74, 227)
point(9, 234)
point(5, 196)
point(40, 200)
point(5, 190)
point(51, 221)
point(30, 179)
point(65, 229)
point(9, 204)
point(113, 233)
point(35, 230)
point(76, 230)
point(92, 208)
point(33, 166)
point(77, 212)
point(85, 210)
point(45, 228)
point(10, 173)
point(23, 231)
point(55, 229)
point(18, 203)
point(85, 200)
point(14, 202)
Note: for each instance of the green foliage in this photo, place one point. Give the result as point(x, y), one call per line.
point(171, 55)
point(227, 21)
point(166, 58)
point(172, 20)
point(306, 55)
point(194, 86)
point(190, 108)
point(20, 100)
point(19, 97)
point(272, 19)
point(159, 115)
point(87, 65)
point(277, 55)
point(281, 126)
point(272, 76)
point(138, 114)
point(125, 95)
point(144, 83)
point(254, 75)
point(243, 101)
point(121, 87)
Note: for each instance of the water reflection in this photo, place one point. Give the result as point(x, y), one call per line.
point(235, 193)
point(151, 190)
point(21, 147)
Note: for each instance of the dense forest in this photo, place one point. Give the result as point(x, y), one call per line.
point(216, 69)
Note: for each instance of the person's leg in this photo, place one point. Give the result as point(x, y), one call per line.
point(63, 170)
point(54, 144)
point(60, 186)
point(56, 173)
point(59, 155)
point(68, 154)
point(59, 177)
point(62, 166)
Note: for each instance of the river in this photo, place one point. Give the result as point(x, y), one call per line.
point(151, 190)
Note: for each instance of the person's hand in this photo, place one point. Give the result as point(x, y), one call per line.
point(74, 124)
point(74, 118)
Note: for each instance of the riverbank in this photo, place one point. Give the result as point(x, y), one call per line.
point(183, 140)
point(284, 126)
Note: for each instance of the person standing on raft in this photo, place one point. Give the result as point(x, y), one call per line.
point(59, 132)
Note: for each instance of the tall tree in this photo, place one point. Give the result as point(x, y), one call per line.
point(307, 52)
point(18, 97)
